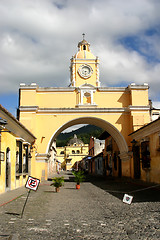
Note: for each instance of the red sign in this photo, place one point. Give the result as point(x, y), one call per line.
point(32, 183)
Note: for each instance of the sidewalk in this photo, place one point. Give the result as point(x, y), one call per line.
point(12, 195)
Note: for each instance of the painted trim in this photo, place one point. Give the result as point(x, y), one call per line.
point(87, 109)
point(113, 89)
point(68, 89)
point(28, 108)
point(81, 110)
point(138, 87)
point(42, 157)
point(132, 108)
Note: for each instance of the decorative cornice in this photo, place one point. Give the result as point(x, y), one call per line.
point(20, 139)
point(86, 86)
point(86, 106)
point(46, 89)
point(82, 108)
point(112, 89)
point(137, 108)
point(133, 86)
point(60, 89)
point(88, 110)
point(28, 108)
point(42, 156)
point(32, 86)
point(84, 60)
point(76, 110)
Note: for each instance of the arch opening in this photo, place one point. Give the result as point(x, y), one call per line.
point(112, 130)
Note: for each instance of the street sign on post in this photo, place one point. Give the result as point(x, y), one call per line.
point(32, 183)
point(127, 199)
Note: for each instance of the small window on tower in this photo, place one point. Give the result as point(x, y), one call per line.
point(84, 47)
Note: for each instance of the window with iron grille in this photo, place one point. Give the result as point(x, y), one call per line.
point(19, 157)
point(25, 159)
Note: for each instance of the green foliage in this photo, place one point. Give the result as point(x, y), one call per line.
point(83, 133)
point(78, 176)
point(57, 182)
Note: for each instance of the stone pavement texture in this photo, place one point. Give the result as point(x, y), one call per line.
point(96, 211)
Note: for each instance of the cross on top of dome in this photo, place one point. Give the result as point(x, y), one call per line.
point(83, 45)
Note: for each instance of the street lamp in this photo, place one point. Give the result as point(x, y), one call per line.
point(133, 141)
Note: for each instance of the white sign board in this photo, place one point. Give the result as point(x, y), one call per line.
point(127, 199)
point(32, 183)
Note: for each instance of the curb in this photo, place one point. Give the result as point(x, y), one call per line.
point(11, 200)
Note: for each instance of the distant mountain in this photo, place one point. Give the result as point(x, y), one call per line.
point(83, 133)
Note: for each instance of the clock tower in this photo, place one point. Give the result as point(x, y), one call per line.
point(84, 67)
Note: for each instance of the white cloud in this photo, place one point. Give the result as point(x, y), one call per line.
point(38, 38)
point(156, 105)
point(73, 128)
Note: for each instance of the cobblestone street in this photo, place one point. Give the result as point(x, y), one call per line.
point(96, 211)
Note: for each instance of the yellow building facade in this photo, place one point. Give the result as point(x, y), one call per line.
point(145, 163)
point(17, 157)
point(70, 155)
point(47, 111)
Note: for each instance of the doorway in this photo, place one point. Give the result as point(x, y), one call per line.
point(136, 160)
point(8, 169)
point(119, 167)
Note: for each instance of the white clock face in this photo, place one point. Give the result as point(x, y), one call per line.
point(85, 71)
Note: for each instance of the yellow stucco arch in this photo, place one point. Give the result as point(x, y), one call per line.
point(47, 111)
point(112, 130)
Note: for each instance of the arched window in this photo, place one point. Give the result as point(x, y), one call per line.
point(24, 162)
point(17, 162)
point(73, 152)
point(8, 154)
point(8, 168)
point(19, 157)
point(78, 151)
point(84, 47)
point(25, 159)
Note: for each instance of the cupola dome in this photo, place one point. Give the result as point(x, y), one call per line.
point(75, 141)
point(84, 50)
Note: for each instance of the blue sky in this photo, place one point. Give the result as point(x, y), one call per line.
point(10, 102)
point(38, 38)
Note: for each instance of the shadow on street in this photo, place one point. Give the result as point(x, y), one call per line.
point(141, 191)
